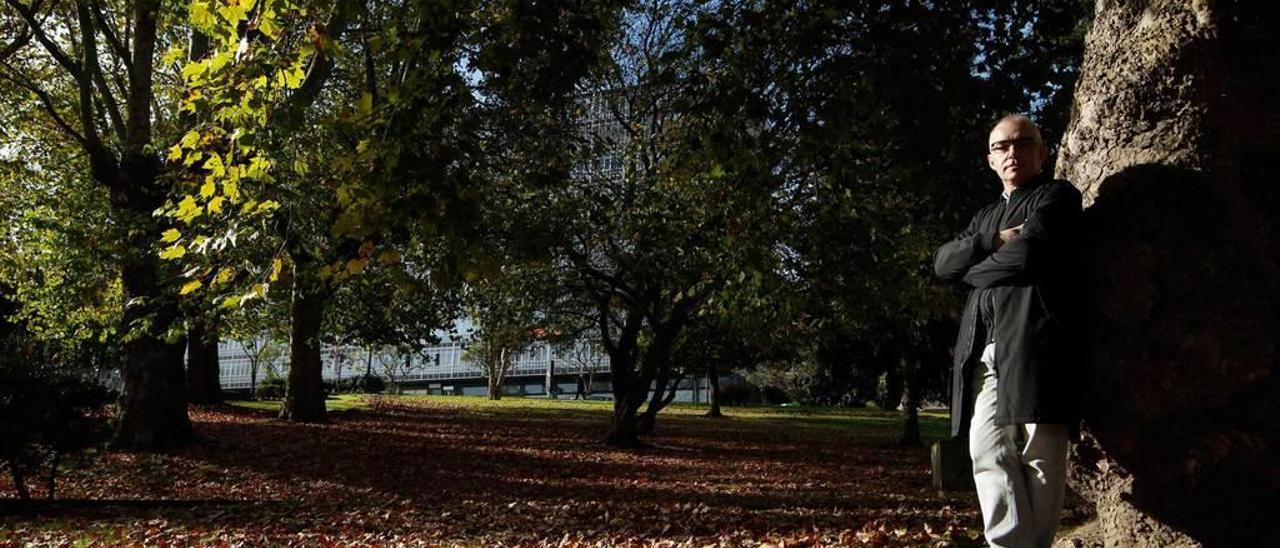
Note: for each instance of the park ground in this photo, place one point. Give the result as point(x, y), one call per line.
point(466, 471)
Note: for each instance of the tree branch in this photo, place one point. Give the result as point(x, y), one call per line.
point(142, 68)
point(46, 102)
point(113, 39)
point(320, 69)
point(37, 29)
point(94, 70)
point(18, 43)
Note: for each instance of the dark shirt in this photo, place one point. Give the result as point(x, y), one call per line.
point(987, 301)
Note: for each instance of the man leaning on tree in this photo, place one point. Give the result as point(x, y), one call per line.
point(1018, 374)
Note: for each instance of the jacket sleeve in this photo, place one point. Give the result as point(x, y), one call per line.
point(1051, 226)
point(953, 259)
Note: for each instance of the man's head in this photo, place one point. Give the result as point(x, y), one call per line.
point(1015, 150)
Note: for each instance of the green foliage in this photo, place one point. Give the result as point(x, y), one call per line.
point(369, 384)
point(56, 261)
point(47, 412)
point(271, 388)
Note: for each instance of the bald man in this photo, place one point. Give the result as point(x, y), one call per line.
point(1017, 374)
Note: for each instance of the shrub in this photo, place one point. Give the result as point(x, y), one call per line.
point(370, 384)
point(46, 416)
point(738, 393)
point(272, 388)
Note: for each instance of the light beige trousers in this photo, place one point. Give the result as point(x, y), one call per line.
point(1019, 470)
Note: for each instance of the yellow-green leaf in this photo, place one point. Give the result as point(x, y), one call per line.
point(172, 55)
point(232, 190)
point(170, 236)
point(225, 275)
point(267, 24)
point(190, 286)
point(267, 206)
point(200, 15)
point(191, 139)
point(175, 153)
point(291, 78)
point(188, 210)
point(276, 265)
point(193, 69)
point(208, 188)
point(215, 205)
point(214, 165)
point(173, 252)
point(233, 13)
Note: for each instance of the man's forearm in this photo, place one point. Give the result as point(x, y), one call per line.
point(953, 260)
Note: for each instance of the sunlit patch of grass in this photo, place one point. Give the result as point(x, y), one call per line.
point(868, 421)
point(341, 402)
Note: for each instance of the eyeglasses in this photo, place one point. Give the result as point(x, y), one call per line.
point(1008, 145)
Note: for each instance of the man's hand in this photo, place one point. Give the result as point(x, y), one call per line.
point(1007, 235)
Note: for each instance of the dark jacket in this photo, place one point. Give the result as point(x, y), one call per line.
point(1036, 288)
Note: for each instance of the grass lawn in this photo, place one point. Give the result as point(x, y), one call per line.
point(448, 470)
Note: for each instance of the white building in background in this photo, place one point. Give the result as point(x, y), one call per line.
point(440, 368)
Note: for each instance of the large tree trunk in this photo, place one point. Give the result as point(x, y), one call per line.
point(1175, 141)
point(203, 384)
point(624, 431)
point(153, 403)
point(629, 390)
point(304, 395)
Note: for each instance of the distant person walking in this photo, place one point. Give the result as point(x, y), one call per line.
point(1017, 373)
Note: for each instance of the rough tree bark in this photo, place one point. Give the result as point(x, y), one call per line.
point(304, 395)
point(153, 402)
point(1175, 141)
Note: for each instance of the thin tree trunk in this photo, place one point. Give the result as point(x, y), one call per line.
point(650, 414)
point(19, 482)
point(713, 395)
point(203, 383)
point(304, 395)
point(497, 375)
point(894, 387)
point(253, 379)
point(53, 474)
point(911, 411)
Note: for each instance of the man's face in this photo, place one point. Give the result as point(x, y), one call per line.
point(1015, 151)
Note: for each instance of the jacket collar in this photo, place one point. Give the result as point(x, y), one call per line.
point(1024, 188)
